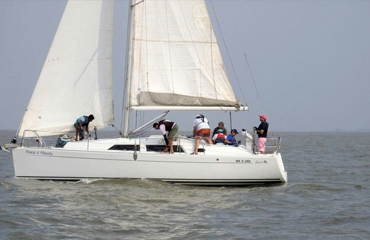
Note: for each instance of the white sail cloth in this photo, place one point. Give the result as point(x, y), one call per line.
point(175, 58)
point(76, 78)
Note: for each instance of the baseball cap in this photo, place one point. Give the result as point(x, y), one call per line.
point(235, 131)
point(263, 116)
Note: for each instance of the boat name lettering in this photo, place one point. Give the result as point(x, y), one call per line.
point(260, 161)
point(39, 153)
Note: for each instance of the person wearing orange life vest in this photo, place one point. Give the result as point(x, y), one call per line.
point(167, 126)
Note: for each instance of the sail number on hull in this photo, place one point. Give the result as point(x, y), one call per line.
point(250, 161)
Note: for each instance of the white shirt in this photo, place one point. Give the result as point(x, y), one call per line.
point(162, 128)
point(200, 124)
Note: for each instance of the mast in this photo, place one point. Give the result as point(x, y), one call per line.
point(129, 56)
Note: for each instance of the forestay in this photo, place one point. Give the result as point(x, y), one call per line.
point(77, 75)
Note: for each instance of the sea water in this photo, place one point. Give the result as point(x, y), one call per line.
point(327, 197)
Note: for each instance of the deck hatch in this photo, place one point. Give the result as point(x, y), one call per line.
point(125, 147)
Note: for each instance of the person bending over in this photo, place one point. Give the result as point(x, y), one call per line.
point(82, 122)
point(201, 129)
point(167, 126)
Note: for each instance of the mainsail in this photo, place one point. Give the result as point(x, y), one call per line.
point(175, 58)
point(77, 75)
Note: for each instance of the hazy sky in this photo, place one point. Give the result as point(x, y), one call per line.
point(310, 61)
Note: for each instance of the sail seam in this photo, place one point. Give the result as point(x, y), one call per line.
point(169, 47)
point(201, 64)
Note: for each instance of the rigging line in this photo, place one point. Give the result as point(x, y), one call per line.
point(227, 50)
point(196, 51)
point(231, 122)
point(213, 64)
point(250, 70)
point(255, 84)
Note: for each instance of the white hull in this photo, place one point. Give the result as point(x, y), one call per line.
point(218, 165)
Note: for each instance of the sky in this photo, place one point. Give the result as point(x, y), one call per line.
point(309, 61)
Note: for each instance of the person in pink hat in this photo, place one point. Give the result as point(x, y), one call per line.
point(262, 133)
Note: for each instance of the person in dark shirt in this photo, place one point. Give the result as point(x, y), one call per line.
point(171, 128)
point(220, 126)
point(231, 138)
point(262, 133)
point(82, 122)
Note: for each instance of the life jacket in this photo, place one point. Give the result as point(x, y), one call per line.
point(220, 138)
point(167, 123)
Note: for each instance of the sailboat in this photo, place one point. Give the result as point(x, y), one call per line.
point(173, 64)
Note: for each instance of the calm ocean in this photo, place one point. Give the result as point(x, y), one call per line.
point(327, 197)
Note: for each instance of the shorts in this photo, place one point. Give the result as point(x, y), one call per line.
point(204, 132)
point(261, 144)
point(173, 132)
point(80, 132)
